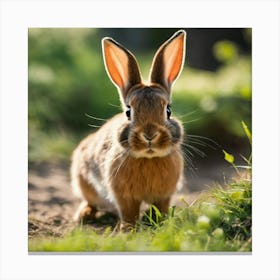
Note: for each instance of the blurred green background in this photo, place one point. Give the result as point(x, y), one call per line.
point(67, 80)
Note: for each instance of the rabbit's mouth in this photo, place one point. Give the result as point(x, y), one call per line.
point(151, 153)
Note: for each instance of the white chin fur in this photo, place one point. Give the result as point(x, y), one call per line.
point(146, 154)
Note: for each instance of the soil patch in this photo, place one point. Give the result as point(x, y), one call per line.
point(51, 203)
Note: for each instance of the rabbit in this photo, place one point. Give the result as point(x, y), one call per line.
point(136, 155)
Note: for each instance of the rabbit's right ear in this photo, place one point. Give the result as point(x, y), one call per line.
point(121, 65)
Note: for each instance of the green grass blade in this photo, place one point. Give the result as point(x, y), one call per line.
point(247, 131)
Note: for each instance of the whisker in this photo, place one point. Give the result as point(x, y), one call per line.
point(93, 125)
point(189, 152)
point(190, 121)
point(204, 138)
point(200, 143)
point(187, 114)
point(187, 160)
point(114, 105)
point(189, 164)
point(95, 118)
point(113, 160)
point(108, 161)
point(98, 165)
point(121, 164)
point(196, 150)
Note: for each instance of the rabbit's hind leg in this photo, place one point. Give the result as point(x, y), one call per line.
point(87, 209)
point(85, 213)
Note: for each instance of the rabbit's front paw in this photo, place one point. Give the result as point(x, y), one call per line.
point(123, 226)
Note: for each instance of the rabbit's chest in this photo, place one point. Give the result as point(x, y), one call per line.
point(148, 179)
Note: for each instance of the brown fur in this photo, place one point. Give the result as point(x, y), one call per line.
point(131, 160)
point(145, 179)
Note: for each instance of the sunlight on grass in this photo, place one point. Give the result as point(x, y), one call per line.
point(219, 221)
point(57, 146)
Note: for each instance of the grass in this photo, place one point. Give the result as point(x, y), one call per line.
point(220, 220)
point(50, 146)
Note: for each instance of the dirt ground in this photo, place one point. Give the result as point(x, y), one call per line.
point(51, 204)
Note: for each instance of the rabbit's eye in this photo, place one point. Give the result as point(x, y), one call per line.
point(168, 111)
point(127, 112)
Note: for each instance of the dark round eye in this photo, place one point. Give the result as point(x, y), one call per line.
point(127, 112)
point(168, 111)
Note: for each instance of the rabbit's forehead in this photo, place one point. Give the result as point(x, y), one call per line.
point(148, 98)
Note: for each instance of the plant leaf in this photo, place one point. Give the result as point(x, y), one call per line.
point(228, 157)
point(247, 131)
point(157, 213)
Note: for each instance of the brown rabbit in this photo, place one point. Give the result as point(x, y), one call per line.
point(135, 156)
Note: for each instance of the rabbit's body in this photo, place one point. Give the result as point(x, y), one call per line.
point(114, 170)
point(134, 157)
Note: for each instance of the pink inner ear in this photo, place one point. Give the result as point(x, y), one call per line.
point(173, 57)
point(116, 64)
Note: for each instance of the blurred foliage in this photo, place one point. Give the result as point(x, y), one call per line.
point(67, 80)
point(225, 51)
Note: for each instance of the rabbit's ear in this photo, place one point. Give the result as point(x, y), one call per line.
point(121, 65)
point(169, 60)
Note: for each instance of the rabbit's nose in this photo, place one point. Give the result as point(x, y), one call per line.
point(149, 137)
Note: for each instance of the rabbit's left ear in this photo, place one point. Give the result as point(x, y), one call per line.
point(169, 60)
